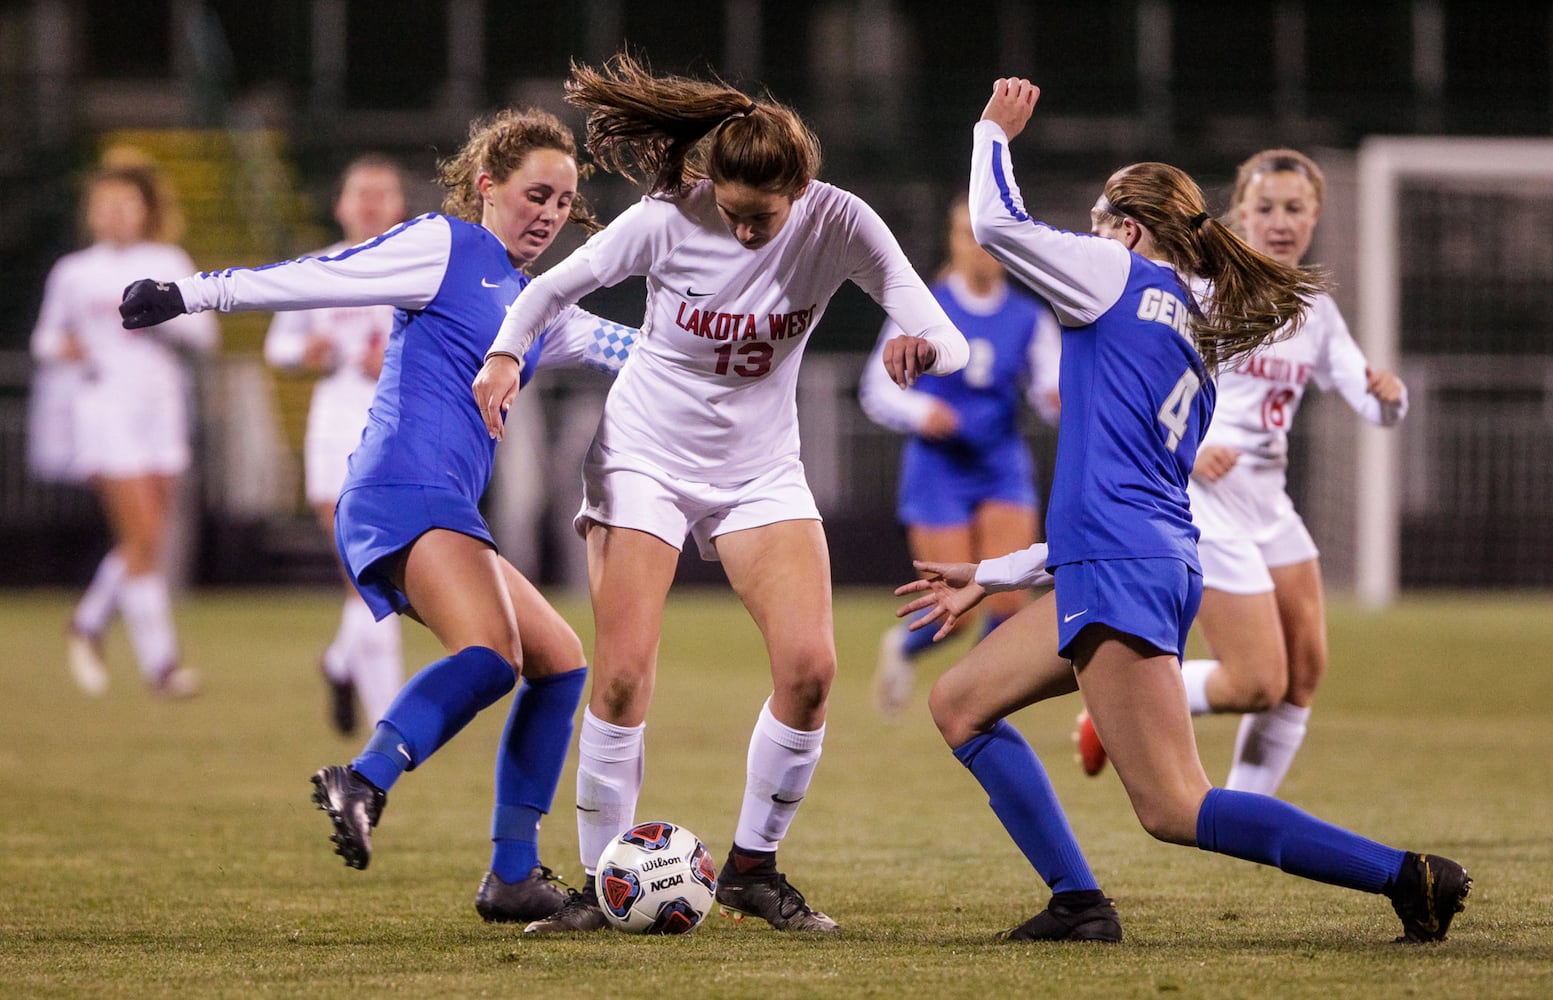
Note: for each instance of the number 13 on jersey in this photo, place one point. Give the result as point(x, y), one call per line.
point(1177, 408)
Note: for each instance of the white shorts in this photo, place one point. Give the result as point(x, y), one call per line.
point(123, 430)
point(335, 419)
point(626, 492)
point(1249, 525)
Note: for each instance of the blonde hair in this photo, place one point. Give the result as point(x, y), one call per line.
point(1254, 298)
point(1278, 161)
point(498, 145)
point(676, 130)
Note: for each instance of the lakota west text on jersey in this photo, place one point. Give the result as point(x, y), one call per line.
point(714, 325)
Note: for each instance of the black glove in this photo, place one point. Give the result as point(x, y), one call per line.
point(147, 303)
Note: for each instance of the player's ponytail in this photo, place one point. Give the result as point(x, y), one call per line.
point(1254, 299)
point(675, 131)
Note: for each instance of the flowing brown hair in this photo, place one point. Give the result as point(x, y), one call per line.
point(676, 130)
point(498, 146)
point(1254, 299)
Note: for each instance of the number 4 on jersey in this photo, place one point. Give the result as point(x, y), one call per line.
point(1177, 408)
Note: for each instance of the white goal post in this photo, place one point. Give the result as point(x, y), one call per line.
point(1385, 166)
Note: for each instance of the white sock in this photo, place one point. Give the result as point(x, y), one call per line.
point(95, 609)
point(609, 781)
point(1194, 674)
point(1265, 747)
point(781, 762)
point(149, 620)
point(337, 658)
point(376, 660)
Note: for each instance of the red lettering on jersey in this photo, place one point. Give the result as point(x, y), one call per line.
point(778, 324)
point(704, 328)
point(750, 332)
point(686, 324)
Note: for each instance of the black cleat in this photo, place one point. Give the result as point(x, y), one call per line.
point(354, 805)
point(342, 704)
point(770, 897)
point(1085, 918)
point(1427, 895)
point(533, 898)
point(580, 912)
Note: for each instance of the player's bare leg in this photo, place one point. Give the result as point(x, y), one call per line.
point(629, 576)
point(969, 704)
point(1268, 740)
point(781, 572)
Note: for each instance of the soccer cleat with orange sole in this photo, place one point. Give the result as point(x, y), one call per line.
point(1091, 754)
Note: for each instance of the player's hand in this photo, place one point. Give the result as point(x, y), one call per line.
point(147, 303)
point(495, 388)
point(1214, 462)
point(905, 358)
point(1384, 386)
point(941, 422)
point(1013, 99)
point(948, 591)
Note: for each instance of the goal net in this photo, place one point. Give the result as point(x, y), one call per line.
point(1452, 268)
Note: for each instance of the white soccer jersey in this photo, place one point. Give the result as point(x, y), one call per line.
point(711, 392)
point(1259, 397)
point(128, 412)
point(82, 299)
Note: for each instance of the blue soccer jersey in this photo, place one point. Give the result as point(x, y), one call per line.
point(1014, 344)
point(450, 283)
point(1136, 397)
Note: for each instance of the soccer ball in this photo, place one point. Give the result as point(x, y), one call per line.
point(656, 878)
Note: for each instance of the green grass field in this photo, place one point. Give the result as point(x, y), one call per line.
point(155, 849)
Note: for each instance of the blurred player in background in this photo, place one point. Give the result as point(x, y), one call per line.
point(1138, 346)
point(407, 523)
point(742, 249)
point(347, 345)
point(129, 420)
point(967, 482)
point(1263, 612)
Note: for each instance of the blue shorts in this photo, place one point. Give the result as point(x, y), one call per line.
point(1153, 599)
point(942, 486)
point(374, 524)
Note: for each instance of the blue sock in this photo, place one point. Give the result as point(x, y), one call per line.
point(989, 623)
point(1269, 831)
point(528, 768)
point(920, 641)
point(434, 705)
point(1021, 795)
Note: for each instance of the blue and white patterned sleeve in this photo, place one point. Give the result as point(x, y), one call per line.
point(579, 339)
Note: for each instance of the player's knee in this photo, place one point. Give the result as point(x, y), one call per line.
point(1306, 669)
point(806, 674)
point(554, 651)
point(954, 722)
point(1166, 820)
point(623, 693)
point(1256, 693)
